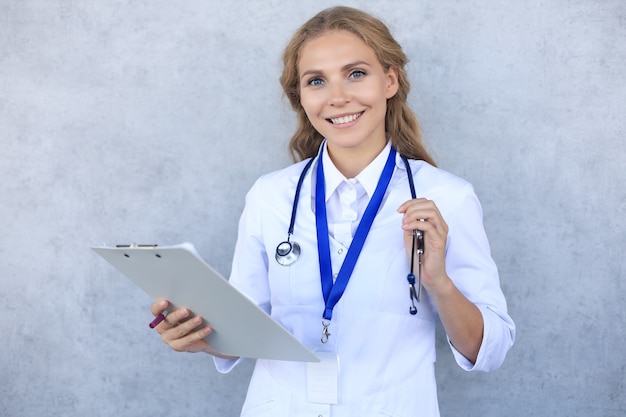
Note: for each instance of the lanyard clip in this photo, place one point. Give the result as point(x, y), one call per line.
point(325, 332)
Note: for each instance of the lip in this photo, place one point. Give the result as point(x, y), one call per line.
point(349, 119)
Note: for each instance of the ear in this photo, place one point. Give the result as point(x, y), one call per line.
point(391, 79)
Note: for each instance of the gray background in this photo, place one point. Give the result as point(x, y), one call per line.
point(147, 121)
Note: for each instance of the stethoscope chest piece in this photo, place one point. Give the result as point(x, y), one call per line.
point(287, 253)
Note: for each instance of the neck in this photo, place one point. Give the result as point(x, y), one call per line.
point(351, 161)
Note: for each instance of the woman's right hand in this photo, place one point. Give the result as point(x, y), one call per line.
point(180, 331)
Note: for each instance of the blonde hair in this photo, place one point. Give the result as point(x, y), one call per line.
point(400, 122)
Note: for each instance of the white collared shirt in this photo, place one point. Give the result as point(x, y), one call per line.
point(386, 355)
point(346, 199)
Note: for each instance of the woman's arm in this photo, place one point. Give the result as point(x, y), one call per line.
point(460, 317)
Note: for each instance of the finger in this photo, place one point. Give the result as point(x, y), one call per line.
point(421, 220)
point(182, 329)
point(418, 205)
point(192, 342)
point(172, 319)
point(176, 316)
point(403, 208)
point(418, 213)
point(419, 224)
point(159, 306)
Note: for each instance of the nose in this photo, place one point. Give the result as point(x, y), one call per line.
point(338, 95)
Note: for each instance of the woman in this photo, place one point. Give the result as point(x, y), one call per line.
point(360, 231)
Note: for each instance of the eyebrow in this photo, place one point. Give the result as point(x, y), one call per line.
point(344, 68)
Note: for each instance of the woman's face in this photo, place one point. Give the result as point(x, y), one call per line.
point(344, 91)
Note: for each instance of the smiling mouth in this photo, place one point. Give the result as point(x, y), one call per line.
point(345, 119)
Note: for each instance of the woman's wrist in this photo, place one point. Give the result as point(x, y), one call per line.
point(441, 288)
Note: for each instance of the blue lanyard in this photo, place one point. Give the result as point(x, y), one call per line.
point(333, 292)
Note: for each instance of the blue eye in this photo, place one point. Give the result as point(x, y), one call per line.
point(356, 74)
point(315, 82)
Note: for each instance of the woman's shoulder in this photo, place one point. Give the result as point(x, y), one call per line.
point(448, 190)
point(437, 177)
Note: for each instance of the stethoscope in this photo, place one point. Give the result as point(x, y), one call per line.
point(288, 251)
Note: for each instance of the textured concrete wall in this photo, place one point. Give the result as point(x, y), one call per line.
point(147, 121)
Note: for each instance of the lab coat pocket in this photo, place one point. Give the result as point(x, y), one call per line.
point(297, 284)
point(266, 398)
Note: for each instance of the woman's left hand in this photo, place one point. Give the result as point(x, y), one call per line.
point(423, 214)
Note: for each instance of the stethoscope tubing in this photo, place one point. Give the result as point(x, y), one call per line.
point(296, 198)
point(287, 252)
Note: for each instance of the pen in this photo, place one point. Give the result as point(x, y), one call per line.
point(158, 319)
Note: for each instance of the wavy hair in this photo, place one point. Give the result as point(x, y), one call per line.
point(400, 122)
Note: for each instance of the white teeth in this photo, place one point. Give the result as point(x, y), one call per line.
point(345, 119)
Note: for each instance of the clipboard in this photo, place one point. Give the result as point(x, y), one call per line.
point(179, 274)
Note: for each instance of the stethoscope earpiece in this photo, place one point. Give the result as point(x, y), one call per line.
point(287, 253)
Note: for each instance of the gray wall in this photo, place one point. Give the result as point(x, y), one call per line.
point(147, 121)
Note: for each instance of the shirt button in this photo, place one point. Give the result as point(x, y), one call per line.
point(340, 251)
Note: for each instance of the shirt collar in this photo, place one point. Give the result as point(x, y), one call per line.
point(368, 178)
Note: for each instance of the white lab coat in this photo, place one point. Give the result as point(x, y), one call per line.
point(386, 356)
